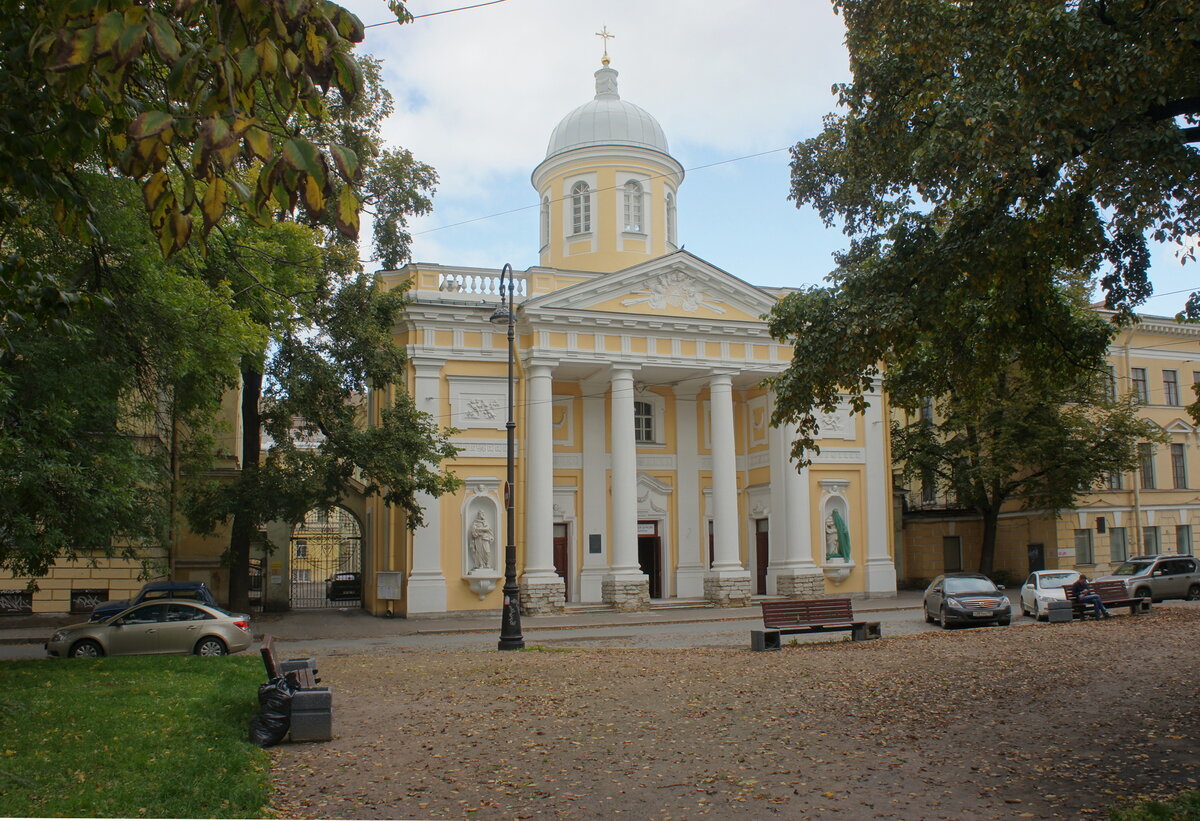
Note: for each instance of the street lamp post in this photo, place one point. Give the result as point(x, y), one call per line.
point(510, 617)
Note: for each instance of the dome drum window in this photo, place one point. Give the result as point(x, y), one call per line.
point(581, 208)
point(633, 208)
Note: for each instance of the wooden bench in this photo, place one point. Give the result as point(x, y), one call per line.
point(299, 673)
point(809, 616)
point(1113, 593)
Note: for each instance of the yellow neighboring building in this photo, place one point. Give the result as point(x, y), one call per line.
point(1155, 509)
point(647, 467)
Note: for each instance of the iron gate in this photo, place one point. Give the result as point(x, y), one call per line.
point(326, 560)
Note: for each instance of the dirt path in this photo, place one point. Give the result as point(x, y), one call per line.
point(966, 724)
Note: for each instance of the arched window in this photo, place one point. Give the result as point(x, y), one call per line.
point(545, 221)
point(671, 218)
point(633, 206)
point(643, 422)
point(581, 208)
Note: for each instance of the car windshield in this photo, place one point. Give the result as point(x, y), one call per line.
point(1057, 579)
point(1132, 568)
point(961, 586)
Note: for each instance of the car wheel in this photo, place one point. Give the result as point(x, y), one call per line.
point(942, 620)
point(928, 618)
point(211, 646)
point(1193, 592)
point(86, 649)
point(1143, 593)
point(1004, 622)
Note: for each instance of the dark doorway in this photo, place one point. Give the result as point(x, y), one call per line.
point(761, 556)
point(650, 556)
point(560, 558)
point(1037, 557)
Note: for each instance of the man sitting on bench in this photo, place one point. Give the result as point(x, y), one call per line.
point(1084, 594)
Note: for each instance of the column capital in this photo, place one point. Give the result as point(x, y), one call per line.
point(427, 365)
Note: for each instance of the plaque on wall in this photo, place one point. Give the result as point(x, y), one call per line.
point(15, 602)
point(85, 601)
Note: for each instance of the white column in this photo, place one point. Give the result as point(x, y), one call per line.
point(595, 492)
point(625, 586)
point(881, 569)
point(543, 591)
point(724, 475)
point(539, 474)
point(624, 475)
point(727, 582)
point(426, 583)
point(693, 536)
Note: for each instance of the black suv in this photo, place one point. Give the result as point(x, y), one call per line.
point(1163, 576)
point(156, 590)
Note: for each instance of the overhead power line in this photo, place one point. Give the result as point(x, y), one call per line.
point(436, 13)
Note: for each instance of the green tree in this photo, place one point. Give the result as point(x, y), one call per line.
point(986, 161)
point(97, 422)
point(172, 95)
point(1001, 442)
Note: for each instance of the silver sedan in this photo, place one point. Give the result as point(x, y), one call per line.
point(156, 628)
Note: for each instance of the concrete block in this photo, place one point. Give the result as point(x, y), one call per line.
point(764, 640)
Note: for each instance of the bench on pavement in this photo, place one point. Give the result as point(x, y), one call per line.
point(809, 616)
point(1113, 593)
point(312, 704)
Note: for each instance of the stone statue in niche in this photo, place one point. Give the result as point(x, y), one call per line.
point(480, 542)
point(837, 537)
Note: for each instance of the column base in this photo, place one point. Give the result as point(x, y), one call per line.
point(689, 581)
point(425, 594)
point(881, 577)
point(543, 596)
point(801, 584)
point(727, 588)
point(591, 580)
point(626, 592)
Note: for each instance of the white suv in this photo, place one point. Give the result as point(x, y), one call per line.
point(1165, 576)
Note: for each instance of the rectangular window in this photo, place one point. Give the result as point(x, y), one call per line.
point(1170, 387)
point(643, 422)
point(1146, 452)
point(1140, 390)
point(1112, 383)
point(1183, 539)
point(302, 548)
point(301, 576)
point(928, 489)
point(1114, 481)
point(1083, 546)
point(952, 558)
point(927, 409)
point(1179, 466)
point(1118, 544)
point(1150, 540)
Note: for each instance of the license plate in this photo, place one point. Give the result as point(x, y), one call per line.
point(981, 614)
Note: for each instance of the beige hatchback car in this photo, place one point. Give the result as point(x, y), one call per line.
point(150, 628)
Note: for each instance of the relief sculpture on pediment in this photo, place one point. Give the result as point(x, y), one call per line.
point(674, 289)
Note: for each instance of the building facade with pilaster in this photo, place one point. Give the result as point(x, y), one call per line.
point(647, 467)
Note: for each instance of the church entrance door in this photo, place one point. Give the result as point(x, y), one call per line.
point(761, 557)
point(650, 556)
point(560, 558)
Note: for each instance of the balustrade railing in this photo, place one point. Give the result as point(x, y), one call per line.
point(478, 284)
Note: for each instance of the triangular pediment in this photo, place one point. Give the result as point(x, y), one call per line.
point(679, 285)
point(1179, 426)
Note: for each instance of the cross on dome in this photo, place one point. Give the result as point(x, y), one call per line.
point(605, 36)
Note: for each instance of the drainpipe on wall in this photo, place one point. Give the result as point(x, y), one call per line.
point(1137, 478)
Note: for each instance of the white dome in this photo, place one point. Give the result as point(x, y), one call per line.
point(607, 120)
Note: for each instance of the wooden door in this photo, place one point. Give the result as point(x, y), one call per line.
point(762, 556)
point(560, 557)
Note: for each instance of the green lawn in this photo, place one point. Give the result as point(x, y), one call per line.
point(160, 737)
point(1183, 807)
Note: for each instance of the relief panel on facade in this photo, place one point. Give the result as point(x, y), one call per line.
point(478, 402)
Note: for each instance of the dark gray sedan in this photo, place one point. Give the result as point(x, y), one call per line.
point(966, 598)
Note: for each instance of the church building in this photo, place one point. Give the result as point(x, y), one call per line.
point(646, 465)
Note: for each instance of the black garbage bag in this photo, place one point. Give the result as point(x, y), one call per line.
point(274, 718)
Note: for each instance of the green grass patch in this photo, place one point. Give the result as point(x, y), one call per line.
point(162, 737)
point(1182, 807)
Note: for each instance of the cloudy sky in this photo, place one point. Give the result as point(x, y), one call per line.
point(733, 85)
